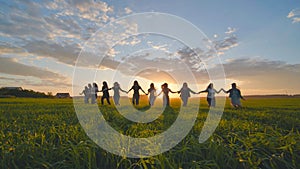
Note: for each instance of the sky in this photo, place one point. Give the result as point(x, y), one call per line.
point(60, 46)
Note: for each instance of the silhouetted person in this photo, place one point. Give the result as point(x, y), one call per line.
point(152, 94)
point(86, 93)
point(105, 92)
point(136, 95)
point(94, 91)
point(235, 96)
point(117, 90)
point(165, 91)
point(210, 98)
point(185, 93)
point(89, 91)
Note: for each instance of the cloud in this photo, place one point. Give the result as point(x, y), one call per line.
point(226, 43)
point(156, 69)
point(56, 29)
point(127, 10)
point(11, 66)
point(294, 15)
point(9, 49)
point(59, 30)
point(157, 57)
point(230, 30)
point(257, 74)
point(65, 54)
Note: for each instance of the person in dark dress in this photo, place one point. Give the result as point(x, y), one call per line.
point(105, 91)
point(235, 96)
point(136, 95)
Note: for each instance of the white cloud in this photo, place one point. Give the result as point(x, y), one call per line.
point(54, 29)
point(226, 43)
point(127, 10)
point(230, 30)
point(296, 19)
point(294, 15)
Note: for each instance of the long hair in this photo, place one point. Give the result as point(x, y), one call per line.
point(95, 85)
point(152, 86)
point(210, 86)
point(105, 84)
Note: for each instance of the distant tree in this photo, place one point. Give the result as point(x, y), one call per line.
point(50, 94)
point(23, 93)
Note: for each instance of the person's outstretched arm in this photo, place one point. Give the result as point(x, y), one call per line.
point(241, 95)
point(122, 90)
point(143, 91)
point(172, 91)
point(129, 90)
point(179, 91)
point(104, 89)
point(218, 91)
point(148, 91)
point(192, 91)
point(203, 91)
point(225, 90)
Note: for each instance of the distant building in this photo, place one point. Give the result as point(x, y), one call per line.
point(62, 95)
point(12, 88)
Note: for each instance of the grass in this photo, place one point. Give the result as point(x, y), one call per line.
point(45, 133)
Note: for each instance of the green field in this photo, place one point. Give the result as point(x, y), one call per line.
point(45, 133)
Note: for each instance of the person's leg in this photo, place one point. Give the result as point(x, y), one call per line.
point(184, 100)
point(167, 101)
point(85, 99)
point(208, 101)
point(239, 103)
point(107, 99)
point(133, 99)
point(152, 98)
point(137, 100)
point(116, 100)
point(102, 100)
point(235, 102)
point(213, 102)
point(93, 99)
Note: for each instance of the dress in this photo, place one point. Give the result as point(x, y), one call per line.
point(136, 94)
point(152, 96)
point(235, 95)
point(93, 95)
point(105, 95)
point(185, 93)
point(116, 96)
point(211, 97)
